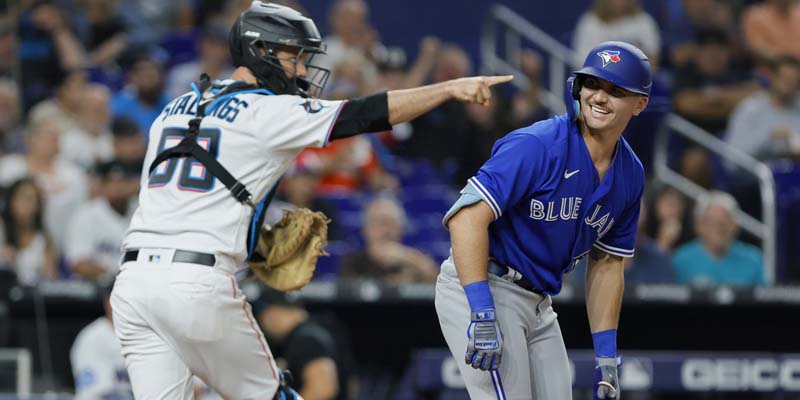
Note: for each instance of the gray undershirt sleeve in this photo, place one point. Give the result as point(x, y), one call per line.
point(469, 195)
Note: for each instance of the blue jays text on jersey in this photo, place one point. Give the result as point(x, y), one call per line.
point(550, 205)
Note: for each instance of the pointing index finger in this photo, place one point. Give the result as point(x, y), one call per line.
point(494, 80)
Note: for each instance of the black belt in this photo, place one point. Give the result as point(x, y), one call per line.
point(181, 256)
point(523, 282)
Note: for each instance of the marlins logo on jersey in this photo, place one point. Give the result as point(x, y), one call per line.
point(609, 56)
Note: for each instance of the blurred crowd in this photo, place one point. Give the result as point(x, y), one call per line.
point(81, 81)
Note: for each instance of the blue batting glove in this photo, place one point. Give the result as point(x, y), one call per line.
point(485, 346)
point(606, 378)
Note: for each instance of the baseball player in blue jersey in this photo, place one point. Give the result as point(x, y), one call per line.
point(550, 194)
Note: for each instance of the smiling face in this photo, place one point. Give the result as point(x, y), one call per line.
point(606, 107)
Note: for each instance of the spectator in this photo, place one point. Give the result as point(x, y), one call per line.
point(716, 257)
point(668, 222)
point(143, 98)
point(490, 123)
point(64, 108)
point(393, 76)
point(98, 227)
point(26, 247)
point(306, 348)
point(525, 105)
point(149, 20)
point(96, 358)
point(772, 28)
point(214, 61)
point(11, 133)
point(349, 21)
point(47, 48)
point(445, 135)
point(651, 264)
point(709, 88)
point(384, 257)
point(686, 18)
point(128, 141)
point(105, 37)
point(623, 20)
point(348, 165)
point(90, 141)
point(64, 184)
point(696, 166)
point(766, 125)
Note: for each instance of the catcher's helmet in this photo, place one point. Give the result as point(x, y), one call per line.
point(617, 62)
point(263, 29)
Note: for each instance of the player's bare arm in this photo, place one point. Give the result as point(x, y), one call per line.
point(605, 281)
point(407, 104)
point(470, 241)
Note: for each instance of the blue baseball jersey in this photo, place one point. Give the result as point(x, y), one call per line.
point(550, 205)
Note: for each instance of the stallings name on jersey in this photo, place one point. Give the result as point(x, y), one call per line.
point(570, 209)
point(187, 104)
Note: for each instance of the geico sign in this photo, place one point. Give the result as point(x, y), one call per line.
point(740, 374)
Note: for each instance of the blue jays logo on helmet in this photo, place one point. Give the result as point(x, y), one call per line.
point(609, 56)
point(620, 63)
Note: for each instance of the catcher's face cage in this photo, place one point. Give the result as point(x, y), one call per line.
point(279, 80)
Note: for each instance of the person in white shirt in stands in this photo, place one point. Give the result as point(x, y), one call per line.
point(64, 184)
point(90, 141)
point(97, 229)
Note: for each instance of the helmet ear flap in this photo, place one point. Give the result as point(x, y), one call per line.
point(572, 97)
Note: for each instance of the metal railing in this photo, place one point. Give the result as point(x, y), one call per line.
point(504, 23)
point(764, 230)
point(24, 368)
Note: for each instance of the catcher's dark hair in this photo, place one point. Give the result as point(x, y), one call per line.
point(10, 223)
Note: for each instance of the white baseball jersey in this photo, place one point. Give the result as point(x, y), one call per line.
point(96, 232)
point(254, 136)
point(97, 363)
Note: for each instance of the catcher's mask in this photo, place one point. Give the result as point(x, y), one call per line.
point(264, 29)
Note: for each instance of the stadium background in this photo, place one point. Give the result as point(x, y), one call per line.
point(681, 338)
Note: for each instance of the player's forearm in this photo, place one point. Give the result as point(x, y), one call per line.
point(605, 282)
point(470, 243)
point(407, 104)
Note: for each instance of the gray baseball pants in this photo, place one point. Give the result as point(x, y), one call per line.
point(534, 363)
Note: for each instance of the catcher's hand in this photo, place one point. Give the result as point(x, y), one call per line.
point(289, 250)
point(606, 378)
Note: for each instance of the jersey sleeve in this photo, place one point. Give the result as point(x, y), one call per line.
point(517, 167)
point(620, 240)
point(292, 123)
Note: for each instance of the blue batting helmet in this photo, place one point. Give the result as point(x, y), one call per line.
point(621, 64)
point(617, 62)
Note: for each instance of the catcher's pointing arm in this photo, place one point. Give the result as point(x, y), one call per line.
point(378, 112)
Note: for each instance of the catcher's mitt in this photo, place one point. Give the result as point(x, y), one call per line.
point(290, 249)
